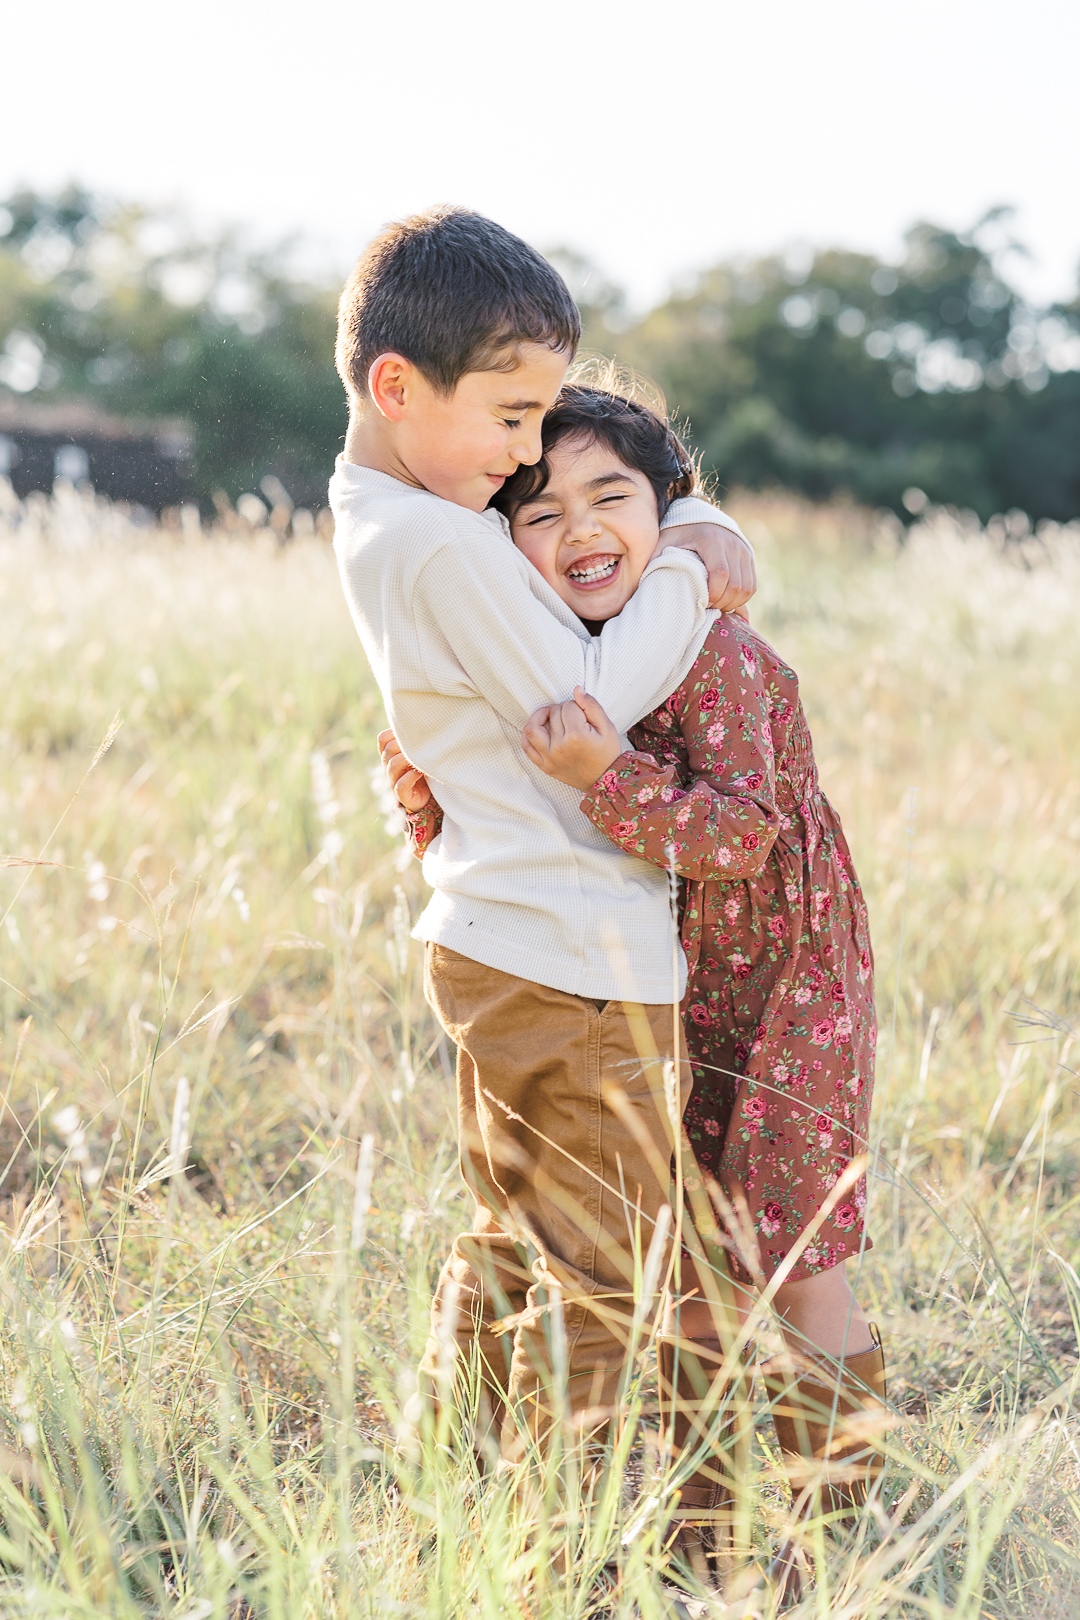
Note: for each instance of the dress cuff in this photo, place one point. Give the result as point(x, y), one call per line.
point(629, 783)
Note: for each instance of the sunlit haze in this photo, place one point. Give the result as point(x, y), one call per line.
point(654, 140)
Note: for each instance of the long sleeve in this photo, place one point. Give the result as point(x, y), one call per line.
point(693, 509)
point(518, 654)
point(724, 827)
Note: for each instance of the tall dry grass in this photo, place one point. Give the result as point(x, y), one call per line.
point(227, 1136)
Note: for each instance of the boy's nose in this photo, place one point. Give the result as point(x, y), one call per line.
point(527, 447)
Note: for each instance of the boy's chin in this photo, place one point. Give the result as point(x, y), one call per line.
point(473, 493)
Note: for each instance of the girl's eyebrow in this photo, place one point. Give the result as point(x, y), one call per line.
point(594, 483)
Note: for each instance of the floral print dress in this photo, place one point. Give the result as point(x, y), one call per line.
point(779, 1010)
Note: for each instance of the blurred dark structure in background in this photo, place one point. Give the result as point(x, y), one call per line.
point(141, 463)
point(832, 373)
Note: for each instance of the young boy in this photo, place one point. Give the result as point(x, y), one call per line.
point(549, 957)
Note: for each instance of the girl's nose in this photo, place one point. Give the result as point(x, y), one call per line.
point(583, 527)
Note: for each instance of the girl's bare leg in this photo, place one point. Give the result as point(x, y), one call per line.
point(819, 1315)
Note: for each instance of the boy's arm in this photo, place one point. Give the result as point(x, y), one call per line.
point(695, 525)
point(518, 655)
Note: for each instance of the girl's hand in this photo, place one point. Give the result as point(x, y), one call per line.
point(573, 742)
point(410, 785)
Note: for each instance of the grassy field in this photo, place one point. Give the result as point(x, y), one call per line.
point(226, 1147)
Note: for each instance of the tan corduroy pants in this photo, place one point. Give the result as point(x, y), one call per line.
point(566, 1138)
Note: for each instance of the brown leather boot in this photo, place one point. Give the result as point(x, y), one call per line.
point(828, 1422)
point(701, 1414)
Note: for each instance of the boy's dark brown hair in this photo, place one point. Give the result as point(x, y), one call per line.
point(452, 292)
point(635, 432)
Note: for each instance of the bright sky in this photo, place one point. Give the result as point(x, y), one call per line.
point(655, 138)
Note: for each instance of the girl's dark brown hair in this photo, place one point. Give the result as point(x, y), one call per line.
point(638, 435)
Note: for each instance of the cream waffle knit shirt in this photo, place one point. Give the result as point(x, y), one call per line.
point(466, 640)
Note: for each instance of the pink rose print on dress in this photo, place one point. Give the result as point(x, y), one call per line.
point(846, 1215)
point(777, 926)
point(771, 1217)
point(708, 700)
point(823, 1125)
point(609, 781)
point(754, 1108)
point(700, 1014)
point(822, 1032)
point(837, 991)
point(754, 782)
point(751, 841)
point(623, 829)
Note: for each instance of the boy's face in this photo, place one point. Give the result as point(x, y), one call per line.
point(465, 447)
point(592, 531)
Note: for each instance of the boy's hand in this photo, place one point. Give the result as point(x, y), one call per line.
point(729, 561)
point(409, 785)
point(573, 742)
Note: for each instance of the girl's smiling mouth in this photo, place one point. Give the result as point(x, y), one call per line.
point(589, 572)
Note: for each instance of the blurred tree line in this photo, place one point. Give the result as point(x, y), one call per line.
point(828, 373)
point(136, 313)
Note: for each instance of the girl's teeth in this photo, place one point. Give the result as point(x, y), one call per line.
point(586, 576)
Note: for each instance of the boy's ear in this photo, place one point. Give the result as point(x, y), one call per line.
point(390, 380)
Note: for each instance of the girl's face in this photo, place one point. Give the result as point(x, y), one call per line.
point(592, 531)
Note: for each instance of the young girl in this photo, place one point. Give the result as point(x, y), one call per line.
point(779, 1010)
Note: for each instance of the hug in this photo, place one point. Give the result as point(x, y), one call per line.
point(646, 938)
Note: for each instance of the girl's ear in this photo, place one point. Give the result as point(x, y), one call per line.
point(390, 379)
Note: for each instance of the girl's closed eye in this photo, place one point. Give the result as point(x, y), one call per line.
point(513, 423)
